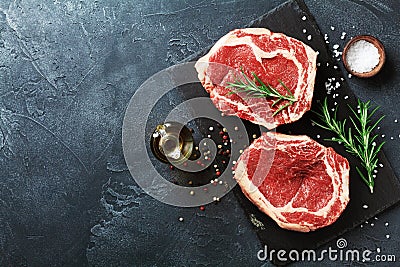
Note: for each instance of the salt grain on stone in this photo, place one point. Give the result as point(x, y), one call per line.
point(304, 18)
point(332, 28)
point(304, 30)
point(362, 56)
point(365, 206)
point(309, 37)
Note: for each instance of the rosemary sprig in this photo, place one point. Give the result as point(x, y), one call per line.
point(361, 143)
point(252, 90)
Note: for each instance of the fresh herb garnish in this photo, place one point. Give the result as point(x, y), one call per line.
point(252, 90)
point(360, 143)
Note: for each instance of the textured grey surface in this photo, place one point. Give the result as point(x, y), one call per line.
point(67, 72)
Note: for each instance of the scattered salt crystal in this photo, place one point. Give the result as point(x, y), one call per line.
point(391, 138)
point(386, 224)
point(375, 171)
point(372, 224)
point(349, 75)
point(378, 250)
point(327, 64)
point(383, 136)
point(304, 18)
point(336, 46)
point(332, 28)
point(387, 236)
point(234, 162)
point(211, 128)
point(375, 218)
point(373, 143)
point(181, 219)
point(343, 36)
point(335, 103)
point(220, 182)
point(345, 97)
point(396, 121)
point(304, 30)
point(309, 37)
point(318, 136)
point(378, 127)
point(365, 206)
point(362, 56)
point(361, 226)
point(215, 166)
point(236, 128)
point(318, 64)
point(209, 136)
point(335, 67)
point(326, 36)
point(381, 165)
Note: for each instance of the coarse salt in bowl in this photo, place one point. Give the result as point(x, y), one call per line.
point(363, 56)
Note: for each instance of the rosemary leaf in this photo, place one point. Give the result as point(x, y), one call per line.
point(244, 84)
point(360, 143)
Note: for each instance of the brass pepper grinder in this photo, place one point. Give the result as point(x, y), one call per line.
point(172, 142)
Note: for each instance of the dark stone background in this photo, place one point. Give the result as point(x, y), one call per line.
point(67, 72)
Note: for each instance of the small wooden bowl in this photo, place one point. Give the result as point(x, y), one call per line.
point(377, 44)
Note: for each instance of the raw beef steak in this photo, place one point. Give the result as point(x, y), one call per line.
point(304, 187)
point(272, 57)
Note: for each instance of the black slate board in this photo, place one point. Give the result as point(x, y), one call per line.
point(287, 19)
